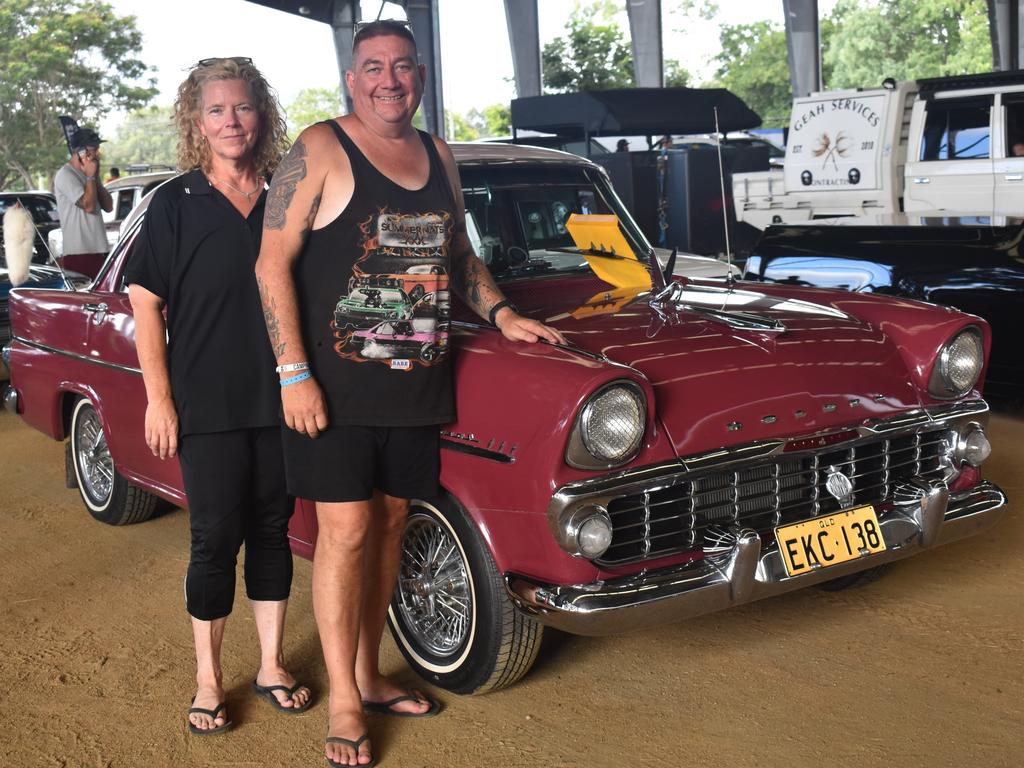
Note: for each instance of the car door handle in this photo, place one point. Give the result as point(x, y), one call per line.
point(1014, 176)
point(95, 307)
point(922, 180)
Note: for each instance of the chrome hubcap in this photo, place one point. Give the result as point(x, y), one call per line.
point(95, 467)
point(433, 594)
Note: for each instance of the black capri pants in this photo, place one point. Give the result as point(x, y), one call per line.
point(236, 493)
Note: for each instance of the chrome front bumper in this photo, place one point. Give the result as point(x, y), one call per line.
point(750, 570)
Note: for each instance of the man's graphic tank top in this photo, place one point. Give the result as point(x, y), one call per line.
point(373, 293)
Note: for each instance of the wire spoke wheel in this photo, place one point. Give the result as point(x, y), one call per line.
point(433, 589)
point(95, 466)
point(108, 496)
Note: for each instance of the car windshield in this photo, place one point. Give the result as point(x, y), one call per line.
point(516, 217)
point(42, 208)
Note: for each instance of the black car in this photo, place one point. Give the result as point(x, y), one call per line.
point(43, 208)
point(972, 263)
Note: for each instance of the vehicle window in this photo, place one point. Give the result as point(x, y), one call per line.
point(957, 130)
point(1014, 124)
point(42, 209)
point(119, 258)
point(516, 217)
point(125, 198)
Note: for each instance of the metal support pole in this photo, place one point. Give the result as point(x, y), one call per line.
point(524, 40)
point(1005, 19)
point(645, 37)
point(427, 29)
point(343, 21)
point(802, 45)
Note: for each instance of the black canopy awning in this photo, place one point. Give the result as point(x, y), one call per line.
point(318, 10)
point(634, 112)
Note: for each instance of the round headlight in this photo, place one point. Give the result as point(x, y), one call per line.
point(960, 364)
point(612, 424)
point(974, 447)
point(594, 536)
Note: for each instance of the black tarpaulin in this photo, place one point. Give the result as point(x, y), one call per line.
point(634, 112)
point(318, 10)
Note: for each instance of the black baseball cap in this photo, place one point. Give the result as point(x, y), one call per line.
point(85, 137)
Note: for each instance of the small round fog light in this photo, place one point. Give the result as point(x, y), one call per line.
point(974, 447)
point(594, 536)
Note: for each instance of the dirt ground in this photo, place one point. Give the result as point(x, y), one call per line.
point(922, 668)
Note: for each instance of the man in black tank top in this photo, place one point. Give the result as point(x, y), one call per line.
point(364, 235)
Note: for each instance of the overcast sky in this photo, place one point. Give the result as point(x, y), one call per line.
point(296, 53)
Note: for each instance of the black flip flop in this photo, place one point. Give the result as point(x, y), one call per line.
point(267, 692)
point(213, 716)
point(386, 707)
point(354, 743)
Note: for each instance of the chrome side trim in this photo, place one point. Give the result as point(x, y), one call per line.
point(76, 356)
point(750, 570)
point(472, 450)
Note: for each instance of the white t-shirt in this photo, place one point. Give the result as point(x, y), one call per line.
point(83, 232)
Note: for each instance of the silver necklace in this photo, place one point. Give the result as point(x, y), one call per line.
point(246, 195)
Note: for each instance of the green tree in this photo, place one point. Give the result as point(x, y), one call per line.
point(493, 120)
point(147, 135)
point(906, 41)
point(593, 55)
point(753, 65)
point(311, 105)
point(73, 57)
point(675, 75)
point(460, 128)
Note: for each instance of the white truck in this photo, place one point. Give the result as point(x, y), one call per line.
point(939, 144)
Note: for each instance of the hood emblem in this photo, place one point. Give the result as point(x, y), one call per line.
point(840, 486)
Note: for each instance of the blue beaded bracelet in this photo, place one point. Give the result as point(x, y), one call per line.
point(296, 379)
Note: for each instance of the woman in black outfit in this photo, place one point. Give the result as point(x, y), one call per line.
point(209, 370)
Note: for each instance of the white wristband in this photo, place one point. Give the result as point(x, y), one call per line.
point(289, 367)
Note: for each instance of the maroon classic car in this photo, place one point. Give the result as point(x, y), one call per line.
point(696, 445)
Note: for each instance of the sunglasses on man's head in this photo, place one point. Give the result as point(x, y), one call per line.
point(214, 60)
point(359, 26)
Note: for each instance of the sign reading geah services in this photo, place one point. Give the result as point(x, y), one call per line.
point(834, 143)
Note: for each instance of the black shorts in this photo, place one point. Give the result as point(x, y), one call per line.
point(346, 463)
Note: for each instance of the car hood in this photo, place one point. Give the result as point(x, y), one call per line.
point(717, 384)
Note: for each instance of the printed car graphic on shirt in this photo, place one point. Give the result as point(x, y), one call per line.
point(416, 280)
point(393, 338)
point(367, 305)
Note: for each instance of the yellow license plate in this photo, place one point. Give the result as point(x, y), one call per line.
point(830, 540)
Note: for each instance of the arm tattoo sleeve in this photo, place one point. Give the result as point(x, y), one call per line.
point(270, 318)
point(290, 172)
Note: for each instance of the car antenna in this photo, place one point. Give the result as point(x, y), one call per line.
point(725, 211)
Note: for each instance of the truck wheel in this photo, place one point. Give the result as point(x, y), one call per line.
point(428, 352)
point(106, 494)
point(417, 292)
point(450, 616)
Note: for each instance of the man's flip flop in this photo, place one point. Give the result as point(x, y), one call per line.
point(354, 743)
point(267, 692)
point(388, 707)
point(222, 707)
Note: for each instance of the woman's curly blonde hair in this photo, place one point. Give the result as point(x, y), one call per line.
point(193, 150)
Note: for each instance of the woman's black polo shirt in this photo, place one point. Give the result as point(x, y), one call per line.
point(198, 253)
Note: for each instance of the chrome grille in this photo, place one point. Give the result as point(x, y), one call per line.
point(786, 488)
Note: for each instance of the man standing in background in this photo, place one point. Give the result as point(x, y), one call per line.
point(80, 197)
